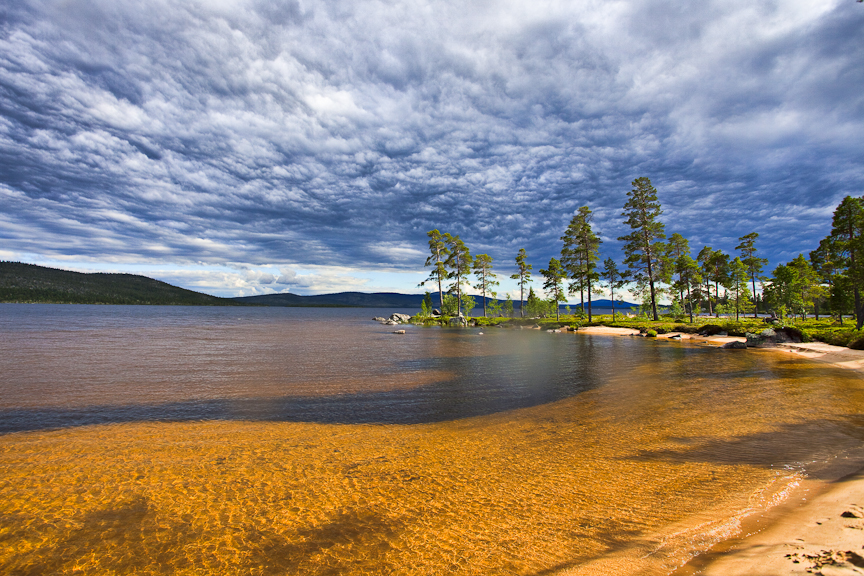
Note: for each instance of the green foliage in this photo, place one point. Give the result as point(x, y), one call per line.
point(857, 343)
point(450, 307)
point(615, 279)
point(487, 279)
point(495, 307)
point(554, 276)
point(533, 304)
point(508, 306)
point(438, 255)
point(643, 247)
point(676, 310)
point(846, 251)
point(651, 333)
point(458, 265)
point(523, 275)
point(753, 263)
point(468, 304)
point(580, 254)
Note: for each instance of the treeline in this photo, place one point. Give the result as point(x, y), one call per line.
point(29, 283)
point(655, 265)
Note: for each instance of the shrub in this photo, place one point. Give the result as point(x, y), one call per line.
point(857, 343)
point(651, 334)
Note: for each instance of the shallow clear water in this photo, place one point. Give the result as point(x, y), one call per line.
point(315, 441)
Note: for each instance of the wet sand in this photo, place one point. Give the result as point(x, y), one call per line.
point(820, 530)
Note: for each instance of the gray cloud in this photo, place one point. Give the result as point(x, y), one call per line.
point(326, 133)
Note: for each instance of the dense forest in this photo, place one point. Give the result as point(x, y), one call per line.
point(28, 283)
point(655, 265)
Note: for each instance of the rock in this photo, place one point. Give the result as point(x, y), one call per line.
point(436, 312)
point(379, 319)
point(391, 322)
point(479, 333)
point(764, 339)
point(472, 323)
point(458, 321)
point(675, 337)
point(722, 334)
point(400, 317)
point(398, 332)
point(736, 345)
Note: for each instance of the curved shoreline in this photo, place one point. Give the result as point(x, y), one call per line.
point(820, 524)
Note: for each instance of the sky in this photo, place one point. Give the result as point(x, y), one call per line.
point(252, 146)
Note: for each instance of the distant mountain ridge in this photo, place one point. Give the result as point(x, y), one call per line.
point(384, 300)
point(30, 283)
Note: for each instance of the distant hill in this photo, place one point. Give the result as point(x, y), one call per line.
point(344, 299)
point(31, 283)
point(380, 300)
point(606, 304)
point(28, 283)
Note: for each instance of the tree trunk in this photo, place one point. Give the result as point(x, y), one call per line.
point(690, 301)
point(859, 310)
point(522, 299)
point(755, 304)
point(589, 300)
point(717, 298)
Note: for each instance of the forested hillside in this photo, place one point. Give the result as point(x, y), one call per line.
point(28, 283)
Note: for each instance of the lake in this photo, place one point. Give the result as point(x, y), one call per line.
point(315, 441)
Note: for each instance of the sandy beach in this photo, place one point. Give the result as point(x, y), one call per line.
point(819, 529)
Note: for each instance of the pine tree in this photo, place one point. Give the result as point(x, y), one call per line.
point(486, 278)
point(676, 248)
point(554, 275)
point(580, 255)
point(615, 279)
point(440, 252)
point(753, 263)
point(458, 265)
point(847, 242)
point(644, 247)
point(807, 285)
point(524, 277)
point(738, 275)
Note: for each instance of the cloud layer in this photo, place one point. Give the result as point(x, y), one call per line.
point(296, 134)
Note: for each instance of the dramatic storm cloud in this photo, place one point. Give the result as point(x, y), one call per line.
point(244, 141)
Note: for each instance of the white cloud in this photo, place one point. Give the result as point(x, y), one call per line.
point(294, 136)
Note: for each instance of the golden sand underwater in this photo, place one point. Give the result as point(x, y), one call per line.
point(642, 469)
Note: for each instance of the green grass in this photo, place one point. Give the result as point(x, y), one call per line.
point(823, 330)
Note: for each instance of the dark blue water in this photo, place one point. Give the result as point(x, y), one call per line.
point(72, 365)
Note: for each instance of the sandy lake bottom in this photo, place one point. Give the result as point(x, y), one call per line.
point(654, 452)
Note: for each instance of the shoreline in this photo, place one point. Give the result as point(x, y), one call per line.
point(818, 529)
point(839, 356)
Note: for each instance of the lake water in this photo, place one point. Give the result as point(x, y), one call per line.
point(315, 441)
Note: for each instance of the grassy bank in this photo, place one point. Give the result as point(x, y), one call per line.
point(811, 330)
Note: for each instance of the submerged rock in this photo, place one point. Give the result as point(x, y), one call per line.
point(398, 331)
point(736, 345)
